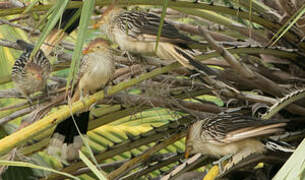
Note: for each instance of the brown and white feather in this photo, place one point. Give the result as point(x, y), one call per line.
point(137, 32)
point(31, 76)
point(230, 134)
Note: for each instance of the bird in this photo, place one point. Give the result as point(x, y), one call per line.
point(61, 30)
point(136, 32)
point(96, 70)
point(230, 136)
point(30, 75)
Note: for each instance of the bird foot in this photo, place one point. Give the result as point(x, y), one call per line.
point(106, 91)
point(92, 106)
point(82, 97)
point(29, 101)
point(237, 158)
point(128, 55)
point(221, 161)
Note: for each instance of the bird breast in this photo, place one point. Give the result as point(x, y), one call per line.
point(218, 150)
point(100, 69)
point(29, 84)
point(132, 44)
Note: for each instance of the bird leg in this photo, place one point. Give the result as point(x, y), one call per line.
point(27, 97)
point(220, 162)
point(46, 91)
point(82, 97)
point(128, 55)
point(29, 100)
point(106, 90)
point(237, 158)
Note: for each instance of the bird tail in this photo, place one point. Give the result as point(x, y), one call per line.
point(24, 45)
point(197, 65)
point(184, 57)
point(66, 140)
point(60, 31)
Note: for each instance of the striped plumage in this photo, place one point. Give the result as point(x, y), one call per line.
point(137, 32)
point(97, 68)
point(30, 76)
point(230, 134)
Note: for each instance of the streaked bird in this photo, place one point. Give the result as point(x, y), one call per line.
point(230, 135)
point(30, 76)
point(137, 32)
point(97, 68)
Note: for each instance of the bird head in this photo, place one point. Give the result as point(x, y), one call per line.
point(107, 16)
point(35, 71)
point(98, 44)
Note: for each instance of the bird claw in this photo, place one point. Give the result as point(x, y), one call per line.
point(128, 55)
point(92, 106)
point(220, 162)
point(82, 99)
point(29, 100)
point(106, 91)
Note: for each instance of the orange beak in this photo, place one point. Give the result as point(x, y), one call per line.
point(96, 25)
point(86, 51)
point(39, 77)
point(186, 153)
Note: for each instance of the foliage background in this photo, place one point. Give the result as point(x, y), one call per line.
point(121, 118)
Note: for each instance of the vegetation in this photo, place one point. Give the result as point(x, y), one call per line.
point(137, 128)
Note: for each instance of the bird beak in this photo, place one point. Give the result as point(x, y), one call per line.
point(187, 153)
point(96, 25)
point(39, 77)
point(86, 51)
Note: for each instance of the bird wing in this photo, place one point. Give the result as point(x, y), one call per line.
point(144, 26)
point(228, 128)
point(82, 70)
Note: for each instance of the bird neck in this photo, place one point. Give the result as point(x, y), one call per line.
point(112, 11)
point(195, 130)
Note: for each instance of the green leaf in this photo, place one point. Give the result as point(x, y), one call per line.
point(294, 166)
point(165, 4)
point(86, 13)
point(91, 166)
point(59, 8)
point(30, 165)
point(28, 8)
point(18, 173)
point(288, 25)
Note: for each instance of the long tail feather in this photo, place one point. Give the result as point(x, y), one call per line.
point(59, 32)
point(24, 45)
point(196, 64)
point(66, 140)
